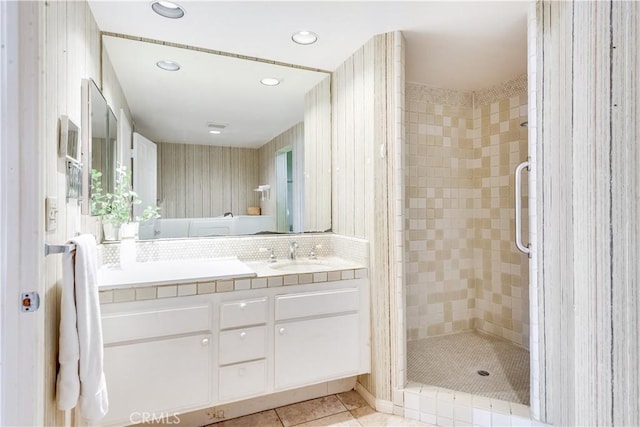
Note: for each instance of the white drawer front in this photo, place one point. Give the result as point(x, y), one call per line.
point(243, 344)
point(119, 327)
point(243, 313)
point(242, 380)
point(316, 303)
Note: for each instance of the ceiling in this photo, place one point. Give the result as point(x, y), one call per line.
point(456, 45)
point(177, 106)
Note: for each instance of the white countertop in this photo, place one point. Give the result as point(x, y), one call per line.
point(173, 271)
point(301, 266)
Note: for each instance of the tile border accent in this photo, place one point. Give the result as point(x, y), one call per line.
point(436, 95)
point(513, 87)
point(127, 294)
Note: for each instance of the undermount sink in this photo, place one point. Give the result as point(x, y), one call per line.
point(302, 265)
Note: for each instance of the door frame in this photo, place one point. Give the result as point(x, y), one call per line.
point(21, 208)
point(398, 318)
point(283, 204)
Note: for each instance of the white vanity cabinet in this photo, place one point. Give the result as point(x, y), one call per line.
point(174, 355)
point(157, 357)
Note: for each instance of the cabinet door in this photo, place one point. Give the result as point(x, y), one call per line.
point(157, 377)
point(315, 350)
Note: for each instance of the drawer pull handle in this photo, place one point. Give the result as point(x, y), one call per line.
point(205, 341)
point(243, 334)
point(243, 305)
point(281, 331)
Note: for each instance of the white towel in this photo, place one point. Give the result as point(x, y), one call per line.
point(81, 377)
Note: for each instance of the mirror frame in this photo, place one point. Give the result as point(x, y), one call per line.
point(87, 143)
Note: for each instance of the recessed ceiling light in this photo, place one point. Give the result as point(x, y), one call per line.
point(168, 65)
point(215, 132)
point(167, 9)
point(270, 81)
point(217, 125)
point(304, 37)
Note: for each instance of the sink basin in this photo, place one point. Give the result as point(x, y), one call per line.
point(301, 266)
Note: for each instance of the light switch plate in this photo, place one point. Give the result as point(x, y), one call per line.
point(51, 213)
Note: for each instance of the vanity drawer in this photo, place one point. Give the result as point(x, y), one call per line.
point(310, 304)
point(239, 345)
point(244, 379)
point(235, 314)
point(129, 326)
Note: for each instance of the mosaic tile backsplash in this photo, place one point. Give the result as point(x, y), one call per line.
point(246, 248)
point(462, 268)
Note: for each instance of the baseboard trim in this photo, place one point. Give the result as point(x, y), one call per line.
point(384, 406)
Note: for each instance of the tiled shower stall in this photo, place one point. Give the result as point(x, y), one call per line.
point(463, 270)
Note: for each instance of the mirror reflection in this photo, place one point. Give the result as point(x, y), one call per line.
point(221, 152)
point(103, 137)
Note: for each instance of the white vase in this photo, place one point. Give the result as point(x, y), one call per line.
point(128, 230)
point(128, 234)
point(110, 230)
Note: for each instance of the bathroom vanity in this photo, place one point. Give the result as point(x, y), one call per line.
point(184, 345)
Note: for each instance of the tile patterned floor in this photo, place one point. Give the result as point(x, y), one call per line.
point(344, 410)
point(452, 362)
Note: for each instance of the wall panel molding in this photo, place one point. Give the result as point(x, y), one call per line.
point(200, 181)
point(367, 108)
point(317, 158)
point(588, 156)
point(625, 199)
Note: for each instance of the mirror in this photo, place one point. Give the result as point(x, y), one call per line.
point(99, 140)
point(220, 135)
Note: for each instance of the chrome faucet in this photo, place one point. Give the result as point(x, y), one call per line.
point(272, 256)
point(293, 246)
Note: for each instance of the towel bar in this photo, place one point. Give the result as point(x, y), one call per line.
point(58, 249)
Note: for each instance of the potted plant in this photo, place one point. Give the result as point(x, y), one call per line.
point(116, 208)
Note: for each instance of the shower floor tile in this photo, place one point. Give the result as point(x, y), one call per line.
point(453, 362)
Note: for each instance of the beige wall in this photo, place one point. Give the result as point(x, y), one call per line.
point(588, 110)
point(367, 96)
point(199, 181)
point(71, 52)
point(317, 157)
point(462, 268)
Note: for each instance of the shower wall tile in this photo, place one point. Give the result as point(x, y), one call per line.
point(439, 195)
point(502, 276)
point(462, 268)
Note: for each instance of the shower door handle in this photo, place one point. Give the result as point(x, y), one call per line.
point(518, 204)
